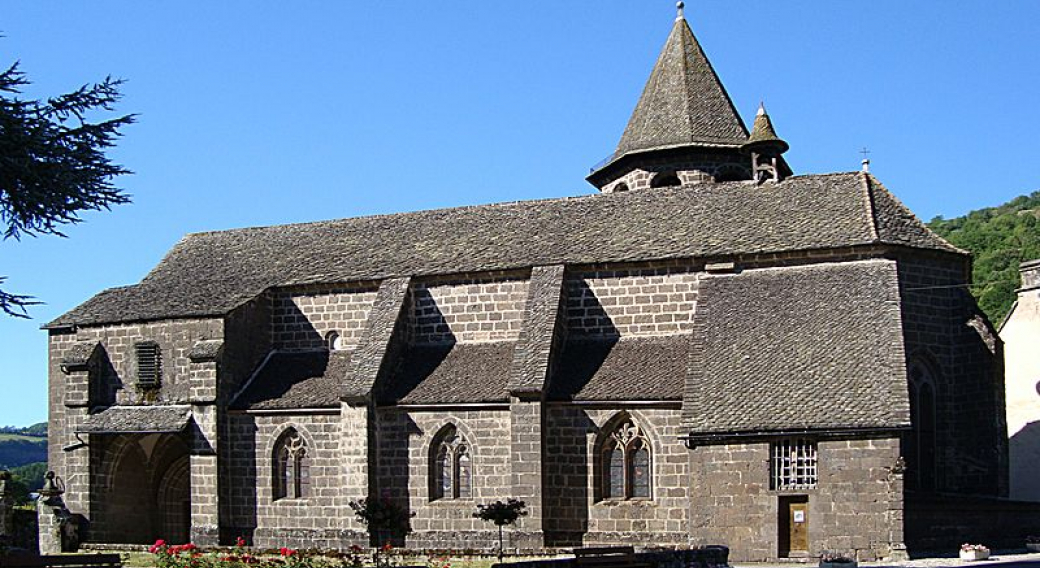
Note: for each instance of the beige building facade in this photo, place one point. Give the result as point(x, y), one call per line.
point(1021, 334)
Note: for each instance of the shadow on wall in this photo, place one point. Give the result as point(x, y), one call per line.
point(244, 483)
point(396, 431)
point(566, 467)
point(1024, 454)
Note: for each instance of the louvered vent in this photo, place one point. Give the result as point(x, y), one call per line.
point(149, 364)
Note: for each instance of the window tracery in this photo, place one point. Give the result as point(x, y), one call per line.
point(291, 475)
point(451, 466)
point(626, 462)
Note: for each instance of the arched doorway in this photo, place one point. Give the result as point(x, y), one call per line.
point(145, 487)
point(173, 502)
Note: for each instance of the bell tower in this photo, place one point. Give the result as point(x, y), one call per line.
point(684, 128)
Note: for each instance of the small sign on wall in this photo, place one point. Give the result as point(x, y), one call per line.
point(799, 516)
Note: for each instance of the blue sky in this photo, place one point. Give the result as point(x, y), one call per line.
point(258, 113)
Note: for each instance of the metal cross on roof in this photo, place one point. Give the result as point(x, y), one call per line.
point(866, 160)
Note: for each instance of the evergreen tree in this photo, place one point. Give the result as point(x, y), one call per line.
point(52, 162)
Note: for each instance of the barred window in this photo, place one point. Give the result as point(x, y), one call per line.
point(291, 477)
point(793, 465)
point(149, 363)
point(451, 466)
point(625, 463)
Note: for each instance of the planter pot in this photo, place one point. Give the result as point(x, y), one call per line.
point(1033, 546)
point(973, 555)
point(824, 564)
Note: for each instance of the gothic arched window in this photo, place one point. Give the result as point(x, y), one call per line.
point(921, 449)
point(451, 466)
point(291, 476)
point(626, 462)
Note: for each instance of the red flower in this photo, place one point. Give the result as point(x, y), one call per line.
point(387, 547)
point(286, 551)
point(240, 542)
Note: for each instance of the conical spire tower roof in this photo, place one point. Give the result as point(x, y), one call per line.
point(683, 103)
point(762, 133)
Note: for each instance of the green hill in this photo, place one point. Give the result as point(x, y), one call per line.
point(999, 238)
point(22, 446)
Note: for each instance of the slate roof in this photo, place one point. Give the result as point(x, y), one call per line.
point(209, 274)
point(683, 102)
point(307, 379)
point(636, 368)
point(809, 347)
point(137, 419)
point(459, 372)
point(78, 355)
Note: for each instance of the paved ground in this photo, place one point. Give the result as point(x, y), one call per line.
point(1003, 560)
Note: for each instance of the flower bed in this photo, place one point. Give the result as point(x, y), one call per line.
point(190, 556)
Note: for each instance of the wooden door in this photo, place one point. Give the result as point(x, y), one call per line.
point(793, 525)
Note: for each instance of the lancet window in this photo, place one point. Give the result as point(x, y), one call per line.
point(451, 466)
point(291, 475)
point(625, 456)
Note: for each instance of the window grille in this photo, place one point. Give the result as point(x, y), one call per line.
point(149, 363)
point(794, 465)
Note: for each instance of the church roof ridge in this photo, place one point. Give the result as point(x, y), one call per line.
point(208, 274)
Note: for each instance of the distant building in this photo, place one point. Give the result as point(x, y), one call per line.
point(710, 351)
point(1021, 334)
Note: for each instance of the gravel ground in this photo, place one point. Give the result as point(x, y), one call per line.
point(996, 558)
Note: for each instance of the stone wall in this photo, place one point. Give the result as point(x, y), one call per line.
point(937, 523)
point(320, 518)
point(946, 331)
point(404, 473)
point(856, 508)
point(470, 309)
point(691, 167)
point(118, 375)
point(643, 300)
point(575, 515)
point(301, 318)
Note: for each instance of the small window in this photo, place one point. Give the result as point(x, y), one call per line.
point(665, 179)
point(291, 475)
point(625, 463)
point(333, 341)
point(149, 363)
point(793, 465)
point(620, 187)
point(451, 467)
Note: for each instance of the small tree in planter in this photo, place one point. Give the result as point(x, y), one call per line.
point(383, 519)
point(501, 514)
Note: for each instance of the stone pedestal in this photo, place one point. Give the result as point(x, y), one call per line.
point(58, 530)
point(50, 522)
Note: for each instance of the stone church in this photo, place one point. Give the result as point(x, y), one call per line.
point(711, 350)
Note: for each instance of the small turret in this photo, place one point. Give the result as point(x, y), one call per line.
point(765, 149)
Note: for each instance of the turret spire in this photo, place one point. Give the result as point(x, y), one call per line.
point(765, 148)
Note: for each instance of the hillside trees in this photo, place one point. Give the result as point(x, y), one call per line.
point(1000, 238)
point(53, 164)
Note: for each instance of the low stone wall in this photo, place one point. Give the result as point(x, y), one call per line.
point(704, 557)
point(943, 523)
